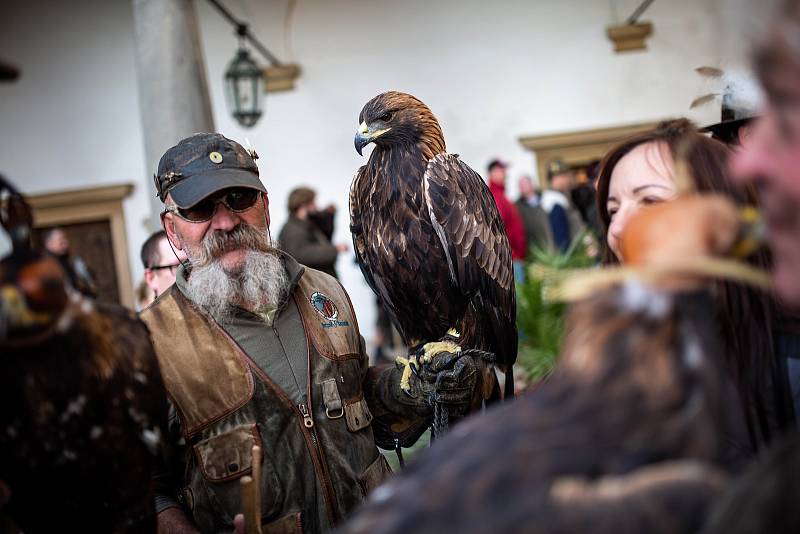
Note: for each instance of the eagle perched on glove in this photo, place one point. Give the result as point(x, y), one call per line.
point(429, 239)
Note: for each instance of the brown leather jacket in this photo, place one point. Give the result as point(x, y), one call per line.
point(320, 458)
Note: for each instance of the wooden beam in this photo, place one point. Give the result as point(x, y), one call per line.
point(577, 148)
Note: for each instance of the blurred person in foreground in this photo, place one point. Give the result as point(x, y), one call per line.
point(765, 499)
point(307, 234)
point(83, 406)
point(160, 262)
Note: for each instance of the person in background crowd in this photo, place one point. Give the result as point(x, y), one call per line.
point(511, 218)
point(78, 273)
point(639, 172)
point(160, 262)
point(306, 236)
point(565, 220)
point(584, 197)
point(739, 112)
point(534, 218)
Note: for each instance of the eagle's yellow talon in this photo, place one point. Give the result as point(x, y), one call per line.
point(452, 332)
point(405, 378)
point(430, 350)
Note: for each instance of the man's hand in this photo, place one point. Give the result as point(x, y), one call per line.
point(450, 379)
point(174, 521)
point(239, 524)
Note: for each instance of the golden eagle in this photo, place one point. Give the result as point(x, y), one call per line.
point(428, 237)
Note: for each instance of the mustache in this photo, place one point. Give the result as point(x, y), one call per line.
point(219, 242)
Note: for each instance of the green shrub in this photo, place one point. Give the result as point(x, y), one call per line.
point(540, 320)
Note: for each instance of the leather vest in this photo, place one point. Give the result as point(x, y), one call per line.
point(319, 457)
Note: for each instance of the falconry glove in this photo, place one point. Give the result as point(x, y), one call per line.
point(450, 384)
point(450, 379)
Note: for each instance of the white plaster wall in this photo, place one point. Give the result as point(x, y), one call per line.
point(72, 119)
point(491, 71)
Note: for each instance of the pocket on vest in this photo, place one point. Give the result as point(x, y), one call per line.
point(291, 523)
point(374, 475)
point(357, 414)
point(227, 456)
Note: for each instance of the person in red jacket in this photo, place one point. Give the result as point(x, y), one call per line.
point(511, 218)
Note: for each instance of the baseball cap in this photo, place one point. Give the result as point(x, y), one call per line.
point(202, 165)
point(556, 167)
point(497, 163)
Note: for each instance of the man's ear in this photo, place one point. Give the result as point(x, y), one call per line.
point(168, 222)
point(265, 201)
point(745, 133)
point(149, 279)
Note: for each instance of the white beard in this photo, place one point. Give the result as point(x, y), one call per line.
point(262, 282)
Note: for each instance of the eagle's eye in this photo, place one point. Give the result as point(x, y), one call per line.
point(386, 117)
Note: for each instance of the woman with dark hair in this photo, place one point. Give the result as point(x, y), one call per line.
point(640, 171)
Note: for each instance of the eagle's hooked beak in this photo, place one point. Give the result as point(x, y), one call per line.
point(365, 136)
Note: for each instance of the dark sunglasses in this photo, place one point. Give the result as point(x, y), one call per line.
point(236, 200)
point(172, 268)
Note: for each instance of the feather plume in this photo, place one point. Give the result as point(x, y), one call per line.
point(700, 100)
point(711, 72)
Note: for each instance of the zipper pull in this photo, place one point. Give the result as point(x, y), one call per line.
point(307, 421)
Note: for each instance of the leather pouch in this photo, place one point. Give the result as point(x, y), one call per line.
point(357, 414)
point(227, 456)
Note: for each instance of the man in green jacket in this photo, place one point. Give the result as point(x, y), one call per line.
point(256, 349)
point(302, 238)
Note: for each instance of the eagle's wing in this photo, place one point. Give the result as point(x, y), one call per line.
point(359, 241)
point(465, 217)
point(356, 230)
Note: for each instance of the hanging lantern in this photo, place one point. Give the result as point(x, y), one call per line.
point(243, 88)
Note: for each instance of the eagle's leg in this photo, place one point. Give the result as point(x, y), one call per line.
point(409, 365)
point(447, 344)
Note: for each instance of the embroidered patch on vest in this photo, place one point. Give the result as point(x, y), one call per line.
point(327, 309)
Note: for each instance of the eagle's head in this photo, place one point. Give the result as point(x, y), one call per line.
point(395, 118)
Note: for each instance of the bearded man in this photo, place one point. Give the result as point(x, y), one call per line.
point(256, 349)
